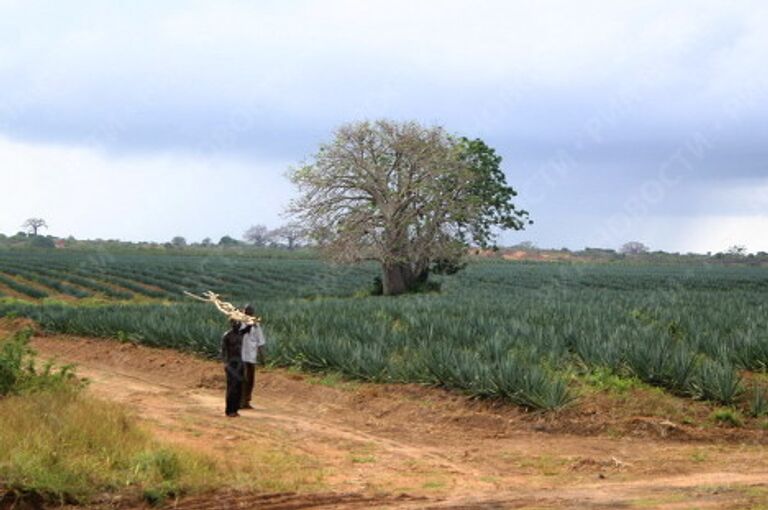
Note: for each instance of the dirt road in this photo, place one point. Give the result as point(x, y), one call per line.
point(346, 445)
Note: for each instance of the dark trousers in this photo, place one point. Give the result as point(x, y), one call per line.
point(234, 371)
point(249, 378)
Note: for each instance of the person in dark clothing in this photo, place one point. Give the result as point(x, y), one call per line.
point(231, 354)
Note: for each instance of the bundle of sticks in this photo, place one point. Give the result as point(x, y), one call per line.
point(227, 309)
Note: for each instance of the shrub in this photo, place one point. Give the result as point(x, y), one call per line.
point(42, 242)
point(19, 372)
point(758, 403)
point(727, 417)
point(603, 379)
point(12, 352)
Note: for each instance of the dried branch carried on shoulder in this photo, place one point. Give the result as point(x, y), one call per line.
point(227, 309)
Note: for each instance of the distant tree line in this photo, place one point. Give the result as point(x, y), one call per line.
point(293, 236)
point(633, 250)
point(290, 237)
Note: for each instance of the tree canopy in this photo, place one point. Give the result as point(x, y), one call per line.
point(179, 242)
point(34, 224)
point(409, 196)
point(634, 248)
point(258, 235)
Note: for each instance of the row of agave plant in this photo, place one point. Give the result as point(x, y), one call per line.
point(512, 331)
point(517, 349)
point(120, 277)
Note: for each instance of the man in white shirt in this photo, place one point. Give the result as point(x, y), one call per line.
point(253, 345)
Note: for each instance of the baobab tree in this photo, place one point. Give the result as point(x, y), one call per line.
point(34, 224)
point(179, 242)
point(409, 196)
point(258, 235)
point(737, 250)
point(634, 248)
point(292, 234)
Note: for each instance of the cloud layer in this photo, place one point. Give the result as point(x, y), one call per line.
point(587, 101)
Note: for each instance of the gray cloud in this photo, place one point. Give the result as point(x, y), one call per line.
point(587, 102)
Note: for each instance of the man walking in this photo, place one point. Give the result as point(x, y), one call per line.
point(253, 347)
point(232, 355)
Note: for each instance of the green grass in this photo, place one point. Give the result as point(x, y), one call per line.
point(728, 417)
point(70, 447)
point(61, 443)
point(657, 502)
point(19, 373)
point(699, 456)
point(601, 379)
point(333, 380)
point(363, 459)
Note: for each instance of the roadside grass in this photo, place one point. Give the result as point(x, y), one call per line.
point(601, 379)
point(547, 465)
point(658, 501)
point(699, 456)
point(624, 395)
point(274, 470)
point(332, 380)
point(728, 417)
point(60, 443)
point(69, 447)
point(362, 453)
point(363, 459)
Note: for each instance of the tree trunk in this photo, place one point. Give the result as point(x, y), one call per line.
point(394, 279)
point(400, 278)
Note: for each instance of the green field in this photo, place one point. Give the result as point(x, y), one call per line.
point(511, 330)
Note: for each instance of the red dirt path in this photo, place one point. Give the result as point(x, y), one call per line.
point(385, 446)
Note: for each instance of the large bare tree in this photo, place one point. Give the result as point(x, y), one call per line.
point(409, 196)
point(634, 248)
point(34, 224)
point(292, 233)
point(259, 235)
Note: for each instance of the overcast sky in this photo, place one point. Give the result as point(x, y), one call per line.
point(617, 120)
